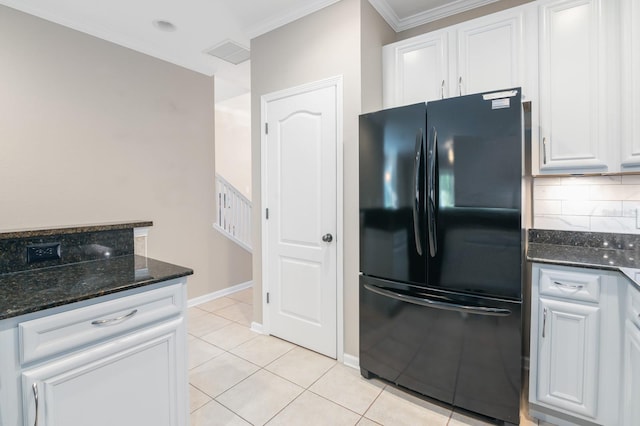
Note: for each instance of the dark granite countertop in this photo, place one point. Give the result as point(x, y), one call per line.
point(34, 290)
point(598, 250)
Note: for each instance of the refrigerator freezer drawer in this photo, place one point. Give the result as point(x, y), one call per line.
point(467, 356)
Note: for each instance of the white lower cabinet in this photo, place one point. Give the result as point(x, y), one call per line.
point(575, 345)
point(132, 373)
point(129, 381)
point(568, 345)
point(631, 377)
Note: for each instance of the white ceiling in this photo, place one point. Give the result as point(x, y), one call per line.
point(202, 24)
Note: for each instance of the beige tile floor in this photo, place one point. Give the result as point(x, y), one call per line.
point(238, 377)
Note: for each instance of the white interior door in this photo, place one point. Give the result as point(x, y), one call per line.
point(300, 194)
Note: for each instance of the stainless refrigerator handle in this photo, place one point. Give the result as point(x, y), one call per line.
point(35, 397)
point(114, 320)
point(431, 220)
point(480, 310)
point(569, 286)
point(416, 188)
point(544, 321)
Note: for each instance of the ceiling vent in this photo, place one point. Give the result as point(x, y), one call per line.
point(229, 51)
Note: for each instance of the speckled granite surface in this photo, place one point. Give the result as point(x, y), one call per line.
point(30, 291)
point(618, 252)
point(30, 233)
point(95, 260)
point(77, 247)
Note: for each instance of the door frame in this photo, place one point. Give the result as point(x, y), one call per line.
point(335, 82)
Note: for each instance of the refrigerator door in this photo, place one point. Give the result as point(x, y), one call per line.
point(474, 157)
point(462, 350)
point(392, 180)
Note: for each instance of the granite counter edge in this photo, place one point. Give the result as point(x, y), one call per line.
point(30, 233)
point(623, 270)
point(179, 273)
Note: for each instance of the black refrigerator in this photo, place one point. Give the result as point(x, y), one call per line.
point(441, 250)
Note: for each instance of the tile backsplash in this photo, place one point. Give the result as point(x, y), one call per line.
point(587, 203)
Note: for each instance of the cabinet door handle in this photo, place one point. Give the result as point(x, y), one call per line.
point(460, 85)
point(544, 321)
point(569, 286)
point(110, 321)
point(442, 90)
point(544, 150)
point(34, 388)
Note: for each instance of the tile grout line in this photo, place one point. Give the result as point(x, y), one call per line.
point(340, 405)
point(308, 388)
point(374, 400)
point(289, 403)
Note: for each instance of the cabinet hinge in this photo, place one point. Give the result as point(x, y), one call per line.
point(266, 213)
point(267, 297)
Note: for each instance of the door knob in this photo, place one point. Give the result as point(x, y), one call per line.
point(327, 238)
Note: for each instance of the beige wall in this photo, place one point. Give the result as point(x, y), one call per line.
point(318, 46)
point(233, 142)
point(375, 33)
point(324, 44)
point(461, 17)
point(93, 132)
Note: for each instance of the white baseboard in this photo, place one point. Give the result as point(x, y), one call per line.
point(351, 361)
point(257, 327)
point(218, 294)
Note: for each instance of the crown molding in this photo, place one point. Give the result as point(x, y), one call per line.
point(401, 24)
point(307, 8)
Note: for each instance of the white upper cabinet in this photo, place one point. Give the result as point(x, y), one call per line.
point(572, 78)
point(490, 53)
point(630, 14)
point(484, 54)
point(579, 124)
point(416, 70)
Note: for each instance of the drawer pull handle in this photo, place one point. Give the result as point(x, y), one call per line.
point(442, 90)
point(111, 321)
point(569, 286)
point(544, 322)
point(35, 397)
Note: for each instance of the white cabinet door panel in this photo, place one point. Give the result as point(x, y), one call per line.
point(630, 85)
point(416, 70)
point(568, 344)
point(131, 381)
point(631, 403)
point(573, 110)
point(490, 54)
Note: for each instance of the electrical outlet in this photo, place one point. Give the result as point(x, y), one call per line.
point(42, 252)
